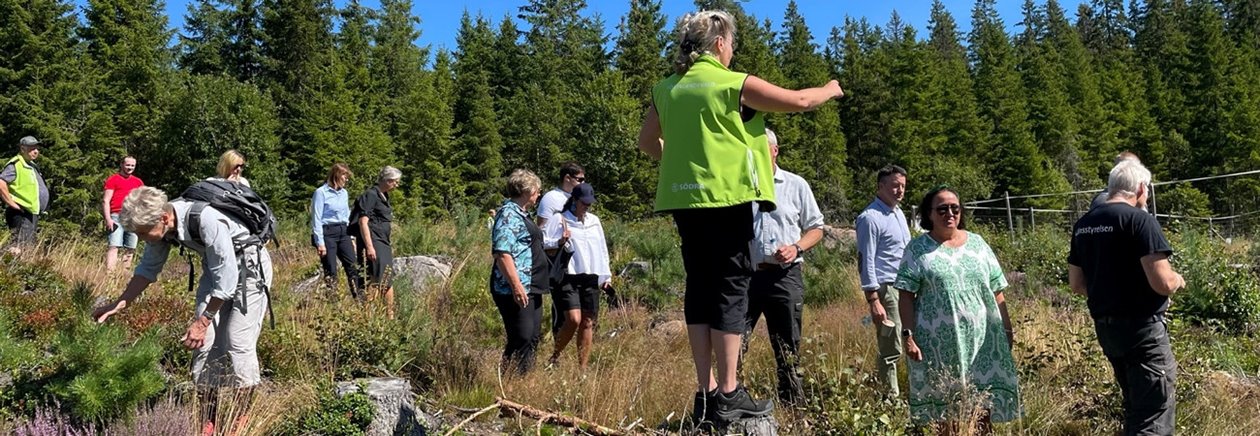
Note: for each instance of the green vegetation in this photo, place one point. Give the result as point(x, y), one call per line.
point(296, 85)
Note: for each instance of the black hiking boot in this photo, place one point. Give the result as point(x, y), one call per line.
point(738, 405)
point(702, 407)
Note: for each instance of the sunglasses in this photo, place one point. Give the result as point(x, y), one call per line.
point(240, 165)
point(580, 179)
point(949, 209)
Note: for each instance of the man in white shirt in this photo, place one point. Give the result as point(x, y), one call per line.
point(778, 290)
point(550, 205)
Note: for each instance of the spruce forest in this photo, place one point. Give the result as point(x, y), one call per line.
point(297, 85)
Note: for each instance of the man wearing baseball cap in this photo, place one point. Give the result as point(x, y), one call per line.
point(24, 193)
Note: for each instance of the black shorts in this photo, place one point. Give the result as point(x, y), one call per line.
point(580, 291)
point(715, 252)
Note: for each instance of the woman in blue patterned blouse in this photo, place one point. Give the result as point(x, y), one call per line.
point(519, 275)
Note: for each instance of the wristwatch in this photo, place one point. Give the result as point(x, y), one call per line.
point(207, 314)
point(906, 333)
point(799, 250)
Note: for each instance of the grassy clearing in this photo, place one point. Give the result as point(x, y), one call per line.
point(447, 340)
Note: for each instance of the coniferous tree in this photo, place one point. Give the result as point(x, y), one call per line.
point(1051, 118)
point(1017, 165)
point(641, 48)
point(863, 115)
point(204, 40)
point(480, 144)
point(811, 141)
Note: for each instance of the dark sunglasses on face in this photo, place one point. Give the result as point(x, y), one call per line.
point(949, 209)
point(580, 179)
point(241, 165)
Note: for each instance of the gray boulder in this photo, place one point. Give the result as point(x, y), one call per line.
point(838, 235)
point(396, 413)
point(419, 270)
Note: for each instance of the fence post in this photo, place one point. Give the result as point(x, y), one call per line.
point(1032, 218)
point(1010, 219)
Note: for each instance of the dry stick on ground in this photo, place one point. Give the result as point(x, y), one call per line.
point(470, 418)
point(567, 421)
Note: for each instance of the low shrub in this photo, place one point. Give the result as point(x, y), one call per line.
point(346, 415)
point(1218, 292)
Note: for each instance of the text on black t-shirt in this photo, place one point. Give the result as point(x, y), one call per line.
point(1108, 243)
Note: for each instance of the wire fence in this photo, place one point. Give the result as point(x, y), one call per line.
point(1000, 210)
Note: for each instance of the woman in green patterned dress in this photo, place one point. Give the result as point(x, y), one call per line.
point(957, 332)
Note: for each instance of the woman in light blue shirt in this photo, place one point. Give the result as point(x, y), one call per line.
point(330, 216)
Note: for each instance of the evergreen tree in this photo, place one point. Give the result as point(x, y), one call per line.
point(965, 131)
point(1017, 165)
point(641, 48)
point(811, 141)
point(864, 115)
point(204, 41)
point(1051, 118)
point(480, 147)
point(49, 89)
point(244, 51)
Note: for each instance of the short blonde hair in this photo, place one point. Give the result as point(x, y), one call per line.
point(523, 182)
point(1126, 178)
point(228, 162)
point(143, 208)
point(697, 33)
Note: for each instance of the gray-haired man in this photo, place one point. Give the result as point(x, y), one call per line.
point(882, 235)
point(231, 296)
point(778, 290)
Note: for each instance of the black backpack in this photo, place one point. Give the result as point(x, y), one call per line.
point(242, 204)
point(234, 200)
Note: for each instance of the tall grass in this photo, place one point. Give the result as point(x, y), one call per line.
point(447, 340)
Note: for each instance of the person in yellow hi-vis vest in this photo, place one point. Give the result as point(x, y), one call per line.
point(706, 127)
point(24, 192)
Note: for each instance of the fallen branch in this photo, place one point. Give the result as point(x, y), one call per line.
point(470, 418)
point(567, 421)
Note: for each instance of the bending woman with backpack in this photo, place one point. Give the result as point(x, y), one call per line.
point(231, 296)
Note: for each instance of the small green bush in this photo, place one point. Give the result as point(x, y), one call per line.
point(347, 415)
point(1219, 293)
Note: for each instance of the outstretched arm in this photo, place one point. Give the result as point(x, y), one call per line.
point(768, 97)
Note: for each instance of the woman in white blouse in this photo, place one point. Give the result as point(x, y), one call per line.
point(587, 274)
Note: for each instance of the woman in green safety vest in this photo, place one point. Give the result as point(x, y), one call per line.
point(706, 127)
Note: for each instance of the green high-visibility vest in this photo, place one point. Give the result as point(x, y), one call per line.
point(24, 189)
point(711, 157)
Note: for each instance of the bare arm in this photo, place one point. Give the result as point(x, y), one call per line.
point(810, 238)
point(8, 198)
point(109, 196)
point(507, 267)
point(1160, 275)
point(1076, 280)
point(1006, 317)
point(650, 134)
point(768, 97)
point(134, 288)
point(365, 234)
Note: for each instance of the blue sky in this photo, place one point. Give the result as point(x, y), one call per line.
point(440, 18)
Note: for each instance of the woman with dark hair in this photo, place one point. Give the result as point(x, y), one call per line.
point(587, 273)
point(956, 329)
point(330, 221)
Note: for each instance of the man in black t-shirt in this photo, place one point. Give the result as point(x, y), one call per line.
point(1119, 261)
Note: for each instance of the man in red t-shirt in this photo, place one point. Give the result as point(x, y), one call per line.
point(117, 186)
